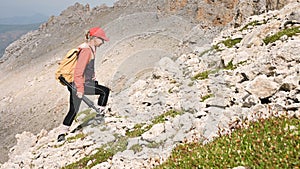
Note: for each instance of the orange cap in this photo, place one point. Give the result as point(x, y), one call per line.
point(98, 32)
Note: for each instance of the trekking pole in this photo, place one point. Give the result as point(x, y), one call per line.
point(84, 98)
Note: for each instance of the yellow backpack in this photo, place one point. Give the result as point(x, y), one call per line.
point(67, 65)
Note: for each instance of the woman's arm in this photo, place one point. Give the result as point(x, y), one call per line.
point(83, 60)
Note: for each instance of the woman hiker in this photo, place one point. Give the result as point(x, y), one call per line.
point(84, 78)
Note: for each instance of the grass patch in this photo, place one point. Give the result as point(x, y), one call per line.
point(118, 146)
point(229, 43)
point(216, 47)
point(103, 154)
point(162, 118)
point(87, 113)
point(230, 66)
point(254, 23)
point(136, 148)
point(206, 97)
point(289, 32)
point(78, 136)
point(274, 143)
point(139, 129)
point(154, 144)
point(203, 75)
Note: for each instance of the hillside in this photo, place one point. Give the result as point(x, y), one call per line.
point(10, 33)
point(162, 59)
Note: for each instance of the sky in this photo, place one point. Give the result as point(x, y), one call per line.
point(12, 8)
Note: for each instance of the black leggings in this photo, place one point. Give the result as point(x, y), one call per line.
point(90, 88)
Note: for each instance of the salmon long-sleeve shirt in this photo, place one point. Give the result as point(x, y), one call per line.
point(85, 61)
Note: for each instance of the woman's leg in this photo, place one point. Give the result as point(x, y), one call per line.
point(93, 88)
point(74, 103)
point(73, 109)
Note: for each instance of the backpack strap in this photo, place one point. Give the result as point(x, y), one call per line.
point(75, 52)
point(92, 51)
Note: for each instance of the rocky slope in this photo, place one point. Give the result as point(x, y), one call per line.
point(147, 66)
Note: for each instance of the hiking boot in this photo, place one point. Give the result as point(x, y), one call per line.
point(101, 110)
point(63, 130)
point(61, 137)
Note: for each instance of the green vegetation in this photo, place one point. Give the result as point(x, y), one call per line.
point(88, 115)
point(85, 112)
point(271, 143)
point(216, 47)
point(69, 140)
point(110, 149)
point(203, 75)
point(162, 117)
point(289, 32)
point(139, 129)
point(154, 144)
point(254, 23)
point(103, 154)
point(229, 43)
point(206, 97)
point(78, 136)
point(136, 148)
point(230, 66)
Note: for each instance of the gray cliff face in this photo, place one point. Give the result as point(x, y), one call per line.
point(147, 39)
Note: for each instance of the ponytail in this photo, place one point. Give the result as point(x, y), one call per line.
point(87, 36)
